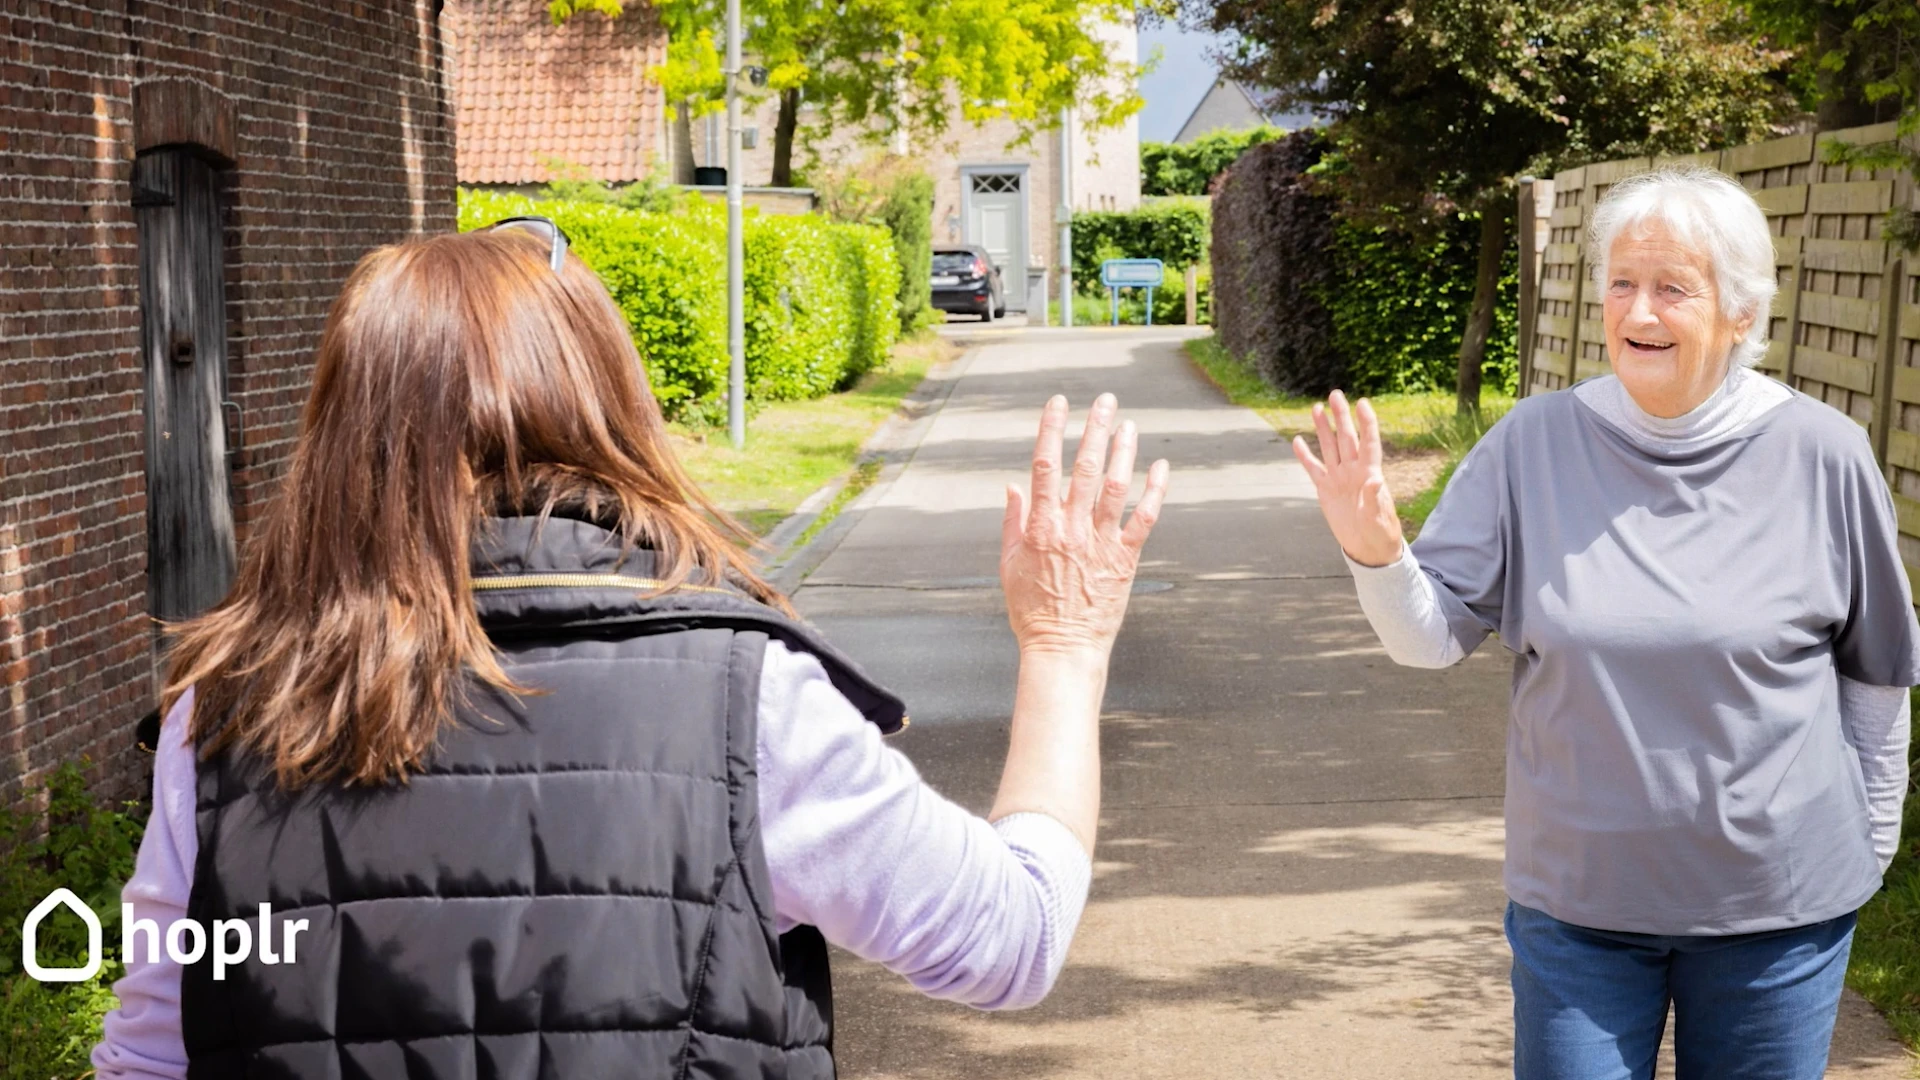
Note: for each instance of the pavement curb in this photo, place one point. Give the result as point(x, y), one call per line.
point(894, 444)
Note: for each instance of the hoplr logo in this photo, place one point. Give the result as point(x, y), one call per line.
point(186, 940)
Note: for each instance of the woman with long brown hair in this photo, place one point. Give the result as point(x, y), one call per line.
point(500, 759)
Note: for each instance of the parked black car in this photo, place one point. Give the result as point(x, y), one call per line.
point(966, 281)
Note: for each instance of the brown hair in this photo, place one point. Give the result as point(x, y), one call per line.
point(457, 376)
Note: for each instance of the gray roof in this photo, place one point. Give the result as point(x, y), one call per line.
point(1226, 107)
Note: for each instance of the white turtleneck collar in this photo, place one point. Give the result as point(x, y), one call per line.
point(1743, 397)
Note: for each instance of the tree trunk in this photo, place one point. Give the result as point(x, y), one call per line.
point(1843, 102)
point(783, 130)
point(683, 143)
point(1486, 288)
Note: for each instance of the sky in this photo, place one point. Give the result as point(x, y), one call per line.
point(1177, 85)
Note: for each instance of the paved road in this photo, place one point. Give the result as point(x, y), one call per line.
point(1299, 858)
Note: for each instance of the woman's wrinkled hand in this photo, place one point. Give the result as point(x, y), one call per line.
point(1349, 481)
point(1067, 564)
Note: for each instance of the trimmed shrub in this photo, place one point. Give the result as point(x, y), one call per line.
point(821, 298)
point(1175, 232)
point(877, 278)
point(896, 193)
point(1190, 168)
point(1316, 301)
point(907, 213)
point(1400, 304)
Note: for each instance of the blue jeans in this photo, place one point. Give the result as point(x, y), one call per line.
point(1592, 1004)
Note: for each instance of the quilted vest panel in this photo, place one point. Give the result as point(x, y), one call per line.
point(573, 886)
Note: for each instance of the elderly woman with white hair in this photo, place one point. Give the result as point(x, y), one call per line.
point(1696, 572)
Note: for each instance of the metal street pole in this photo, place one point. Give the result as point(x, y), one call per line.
point(736, 244)
point(1065, 216)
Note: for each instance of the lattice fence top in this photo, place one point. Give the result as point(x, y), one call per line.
point(1845, 325)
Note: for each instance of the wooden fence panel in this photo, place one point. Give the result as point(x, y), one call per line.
point(1835, 337)
point(1845, 324)
point(1901, 410)
point(1550, 353)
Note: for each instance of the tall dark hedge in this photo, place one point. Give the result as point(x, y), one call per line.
point(1317, 301)
point(1272, 240)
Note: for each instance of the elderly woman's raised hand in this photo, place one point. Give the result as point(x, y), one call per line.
point(1347, 477)
point(1066, 559)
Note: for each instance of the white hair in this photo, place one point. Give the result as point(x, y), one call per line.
point(1710, 212)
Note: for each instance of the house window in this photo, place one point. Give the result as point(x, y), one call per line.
point(996, 183)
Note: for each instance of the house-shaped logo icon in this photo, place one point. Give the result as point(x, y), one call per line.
point(29, 943)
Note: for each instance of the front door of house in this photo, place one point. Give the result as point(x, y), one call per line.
point(997, 221)
point(183, 341)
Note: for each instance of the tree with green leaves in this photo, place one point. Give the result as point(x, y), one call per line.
point(1858, 64)
point(1437, 106)
point(1857, 61)
point(878, 66)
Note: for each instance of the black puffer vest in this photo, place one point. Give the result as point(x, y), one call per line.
point(573, 887)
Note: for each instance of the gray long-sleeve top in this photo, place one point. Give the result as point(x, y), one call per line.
point(1712, 634)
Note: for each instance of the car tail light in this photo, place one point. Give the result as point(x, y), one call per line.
point(979, 266)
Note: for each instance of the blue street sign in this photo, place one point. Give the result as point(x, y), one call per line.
point(1117, 274)
point(1136, 273)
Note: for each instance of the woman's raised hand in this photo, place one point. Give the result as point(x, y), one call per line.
point(1067, 560)
point(1347, 477)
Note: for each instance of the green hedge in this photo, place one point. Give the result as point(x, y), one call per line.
point(1400, 303)
point(822, 299)
point(907, 213)
point(1314, 300)
point(1190, 168)
point(1174, 231)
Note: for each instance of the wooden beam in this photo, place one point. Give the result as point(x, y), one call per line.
point(1834, 369)
point(1846, 256)
point(1845, 312)
point(1528, 221)
point(1853, 197)
point(1753, 157)
point(1888, 354)
point(1903, 449)
point(1791, 199)
point(1907, 511)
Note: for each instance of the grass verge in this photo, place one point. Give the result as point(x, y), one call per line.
point(793, 447)
point(863, 477)
point(1423, 436)
point(1885, 966)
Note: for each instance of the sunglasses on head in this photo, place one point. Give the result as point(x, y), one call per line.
point(545, 229)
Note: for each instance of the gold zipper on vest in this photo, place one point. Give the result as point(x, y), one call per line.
point(580, 581)
point(597, 581)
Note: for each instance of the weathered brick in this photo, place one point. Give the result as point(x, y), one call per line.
point(75, 639)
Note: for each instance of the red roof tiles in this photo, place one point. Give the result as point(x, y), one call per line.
point(527, 91)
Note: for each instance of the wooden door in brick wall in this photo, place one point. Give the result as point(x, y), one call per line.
point(183, 340)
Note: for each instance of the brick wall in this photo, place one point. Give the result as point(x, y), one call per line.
point(340, 136)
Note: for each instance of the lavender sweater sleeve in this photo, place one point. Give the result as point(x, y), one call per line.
point(142, 1036)
point(891, 871)
point(857, 845)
